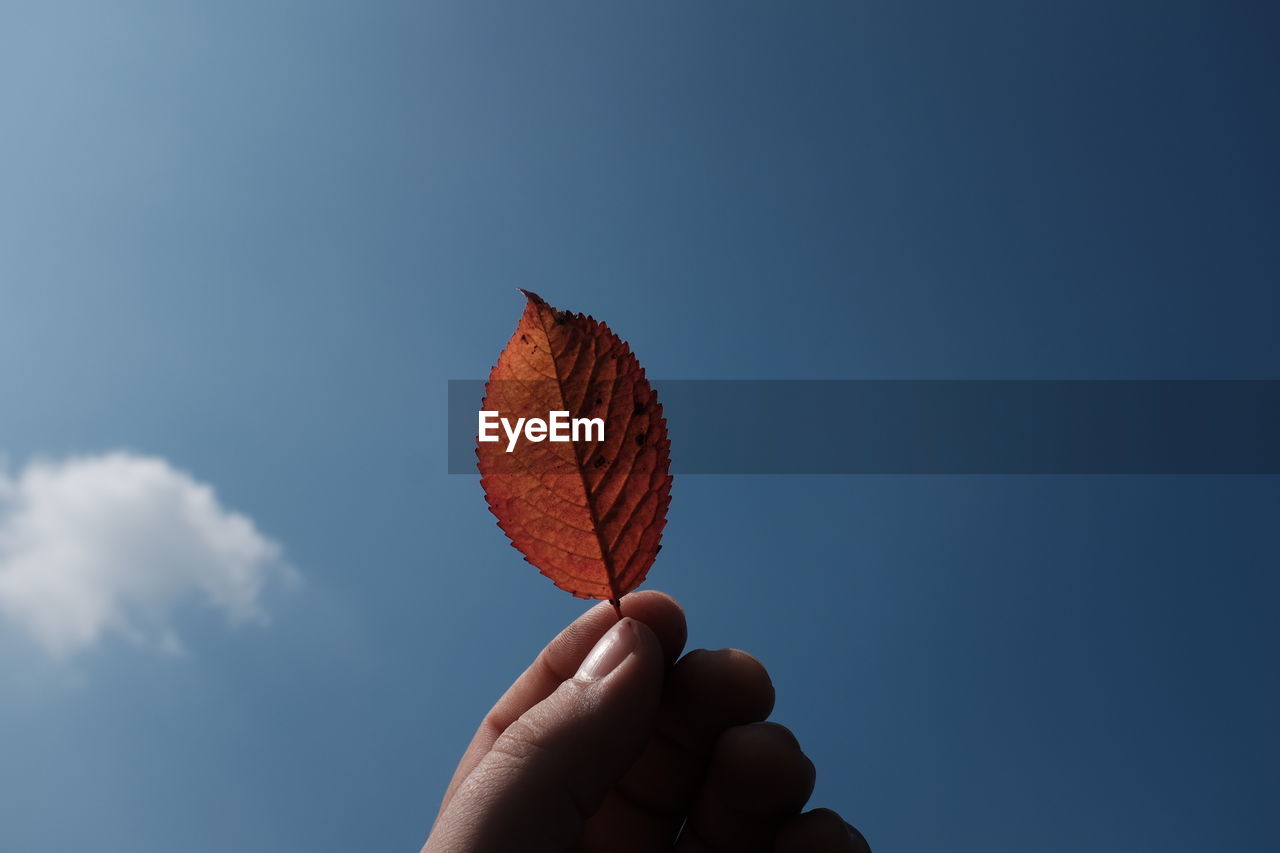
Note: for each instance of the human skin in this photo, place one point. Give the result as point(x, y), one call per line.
point(611, 741)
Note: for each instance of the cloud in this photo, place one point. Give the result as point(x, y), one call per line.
point(118, 544)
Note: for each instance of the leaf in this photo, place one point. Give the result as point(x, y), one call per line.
point(587, 513)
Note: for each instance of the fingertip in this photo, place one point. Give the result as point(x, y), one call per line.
point(780, 732)
point(748, 667)
point(819, 831)
point(649, 648)
point(758, 779)
point(860, 843)
point(629, 658)
point(763, 767)
point(714, 690)
point(662, 614)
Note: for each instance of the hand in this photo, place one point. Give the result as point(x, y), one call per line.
point(606, 743)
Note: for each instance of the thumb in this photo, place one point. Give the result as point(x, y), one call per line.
point(548, 772)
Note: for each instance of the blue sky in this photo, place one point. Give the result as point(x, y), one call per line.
point(255, 240)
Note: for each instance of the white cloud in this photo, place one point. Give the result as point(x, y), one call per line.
point(116, 544)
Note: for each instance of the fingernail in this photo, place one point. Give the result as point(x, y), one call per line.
point(611, 649)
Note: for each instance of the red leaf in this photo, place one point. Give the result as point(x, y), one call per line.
point(587, 513)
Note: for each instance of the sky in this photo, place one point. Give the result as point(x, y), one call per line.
point(245, 246)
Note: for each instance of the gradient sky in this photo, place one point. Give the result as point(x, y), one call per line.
point(256, 239)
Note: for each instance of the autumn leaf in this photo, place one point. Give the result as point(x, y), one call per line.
point(588, 513)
